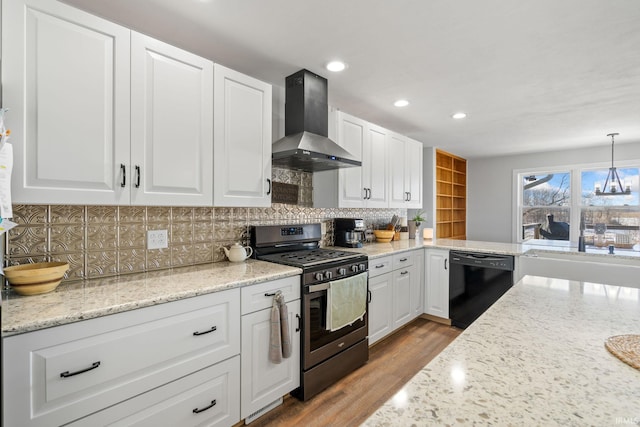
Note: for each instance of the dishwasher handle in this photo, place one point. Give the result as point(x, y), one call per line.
point(500, 262)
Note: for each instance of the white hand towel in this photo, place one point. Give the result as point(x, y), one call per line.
point(346, 301)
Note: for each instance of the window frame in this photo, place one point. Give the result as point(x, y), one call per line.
point(575, 205)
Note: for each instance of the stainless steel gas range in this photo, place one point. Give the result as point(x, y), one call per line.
point(326, 355)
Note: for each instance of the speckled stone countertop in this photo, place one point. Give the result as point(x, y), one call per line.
point(536, 357)
point(75, 301)
point(375, 250)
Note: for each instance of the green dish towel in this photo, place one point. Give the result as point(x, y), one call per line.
point(346, 301)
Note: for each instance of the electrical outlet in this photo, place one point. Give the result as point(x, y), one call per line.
point(157, 239)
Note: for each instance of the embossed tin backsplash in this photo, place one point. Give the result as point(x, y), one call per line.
point(100, 241)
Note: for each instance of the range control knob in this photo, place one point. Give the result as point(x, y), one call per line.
point(319, 276)
point(328, 275)
point(361, 267)
point(342, 271)
point(354, 268)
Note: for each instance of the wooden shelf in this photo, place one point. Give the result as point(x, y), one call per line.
point(451, 196)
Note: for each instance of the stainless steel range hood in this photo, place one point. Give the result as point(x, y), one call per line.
point(306, 145)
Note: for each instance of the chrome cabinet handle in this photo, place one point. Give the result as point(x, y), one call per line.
point(124, 175)
point(197, 411)
point(299, 323)
point(137, 176)
point(213, 329)
point(404, 272)
point(445, 263)
point(269, 190)
point(379, 265)
point(368, 296)
point(403, 259)
point(67, 374)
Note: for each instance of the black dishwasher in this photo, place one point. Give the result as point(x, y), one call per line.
point(476, 281)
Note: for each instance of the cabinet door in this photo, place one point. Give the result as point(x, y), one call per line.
point(398, 194)
point(264, 381)
point(380, 307)
point(242, 140)
point(172, 125)
point(351, 136)
point(376, 168)
point(65, 78)
point(437, 286)
point(418, 283)
point(413, 174)
point(402, 307)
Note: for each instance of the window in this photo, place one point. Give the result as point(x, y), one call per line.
point(612, 219)
point(546, 206)
point(551, 201)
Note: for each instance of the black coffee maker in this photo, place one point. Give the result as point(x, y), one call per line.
point(349, 232)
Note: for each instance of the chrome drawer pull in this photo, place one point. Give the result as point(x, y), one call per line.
point(197, 411)
point(67, 374)
point(213, 328)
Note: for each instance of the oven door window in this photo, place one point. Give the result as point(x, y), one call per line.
point(317, 315)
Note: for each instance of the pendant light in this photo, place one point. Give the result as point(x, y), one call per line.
point(613, 184)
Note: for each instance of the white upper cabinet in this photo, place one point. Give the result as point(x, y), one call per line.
point(405, 172)
point(171, 125)
point(65, 79)
point(365, 186)
point(102, 115)
point(242, 140)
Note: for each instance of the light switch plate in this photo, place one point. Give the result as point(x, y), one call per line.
point(157, 239)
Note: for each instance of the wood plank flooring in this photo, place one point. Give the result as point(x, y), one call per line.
point(349, 402)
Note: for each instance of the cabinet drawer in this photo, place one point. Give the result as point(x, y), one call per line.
point(70, 371)
point(380, 266)
point(174, 404)
point(258, 297)
point(401, 260)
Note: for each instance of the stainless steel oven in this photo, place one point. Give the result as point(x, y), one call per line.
point(326, 355)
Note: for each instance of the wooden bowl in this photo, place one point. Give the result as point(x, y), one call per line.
point(384, 236)
point(37, 278)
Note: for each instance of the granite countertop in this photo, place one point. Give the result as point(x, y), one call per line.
point(532, 247)
point(75, 301)
point(536, 357)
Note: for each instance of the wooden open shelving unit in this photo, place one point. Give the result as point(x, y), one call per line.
point(451, 196)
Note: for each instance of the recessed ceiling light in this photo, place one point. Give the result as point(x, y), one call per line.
point(459, 115)
point(401, 103)
point(336, 66)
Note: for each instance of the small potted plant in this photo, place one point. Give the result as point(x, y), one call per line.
point(415, 223)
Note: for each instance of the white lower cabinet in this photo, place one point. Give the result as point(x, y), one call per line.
point(263, 381)
point(58, 375)
point(393, 282)
point(418, 283)
point(436, 301)
point(379, 309)
point(208, 397)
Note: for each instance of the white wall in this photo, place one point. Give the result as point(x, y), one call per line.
point(490, 184)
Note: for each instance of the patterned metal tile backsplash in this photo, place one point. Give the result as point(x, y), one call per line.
point(100, 241)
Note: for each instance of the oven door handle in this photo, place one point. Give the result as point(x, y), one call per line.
point(318, 288)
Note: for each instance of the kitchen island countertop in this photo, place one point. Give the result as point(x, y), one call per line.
point(536, 357)
point(75, 301)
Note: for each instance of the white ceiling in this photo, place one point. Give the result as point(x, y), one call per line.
point(532, 75)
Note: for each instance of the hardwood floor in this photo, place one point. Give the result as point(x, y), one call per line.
point(349, 402)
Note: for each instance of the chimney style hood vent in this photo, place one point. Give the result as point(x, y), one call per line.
point(306, 145)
